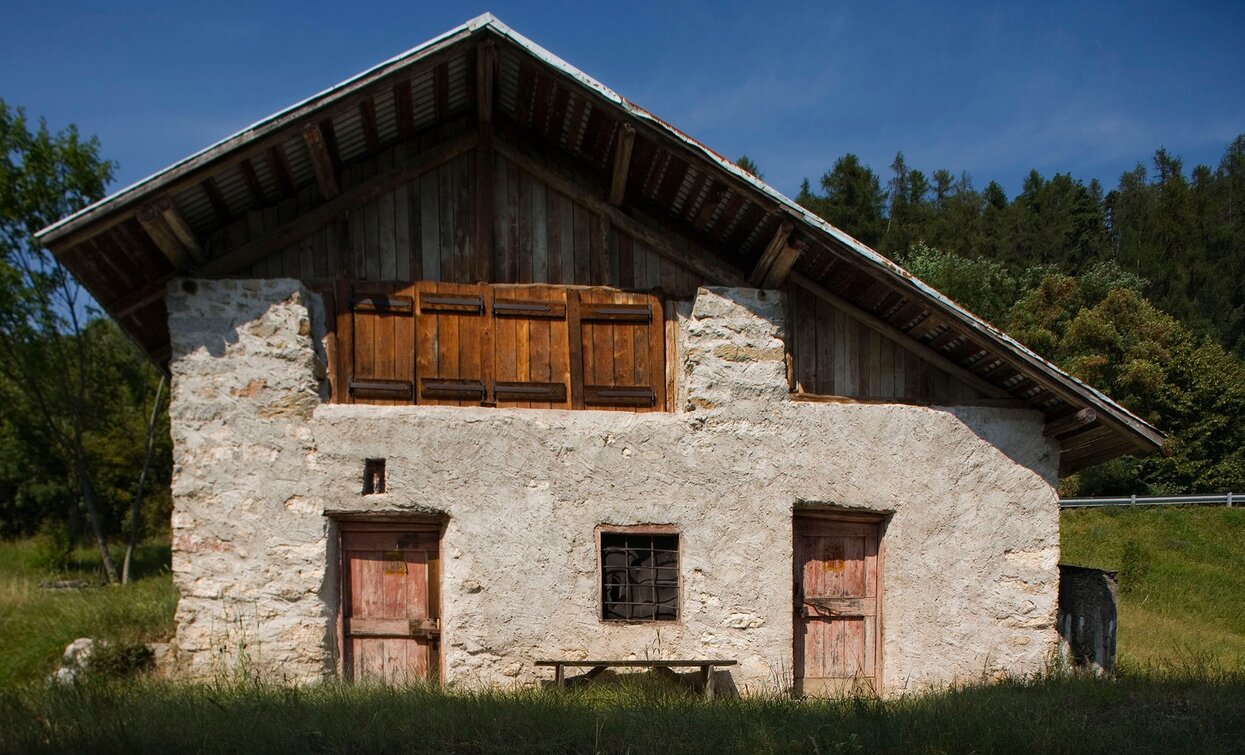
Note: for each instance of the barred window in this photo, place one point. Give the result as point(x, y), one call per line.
point(639, 576)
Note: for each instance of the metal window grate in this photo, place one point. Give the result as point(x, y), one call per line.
point(639, 577)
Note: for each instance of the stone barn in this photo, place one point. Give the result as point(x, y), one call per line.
point(476, 363)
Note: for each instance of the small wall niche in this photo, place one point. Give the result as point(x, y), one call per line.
point(373, 476)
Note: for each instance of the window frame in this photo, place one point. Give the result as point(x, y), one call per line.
point(642, 530)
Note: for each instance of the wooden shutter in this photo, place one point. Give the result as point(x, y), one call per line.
point(449, 344)
point(618, 352)
point(383, 344)
point(530, 335)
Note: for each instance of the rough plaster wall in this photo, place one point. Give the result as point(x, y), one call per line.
point(970, 573)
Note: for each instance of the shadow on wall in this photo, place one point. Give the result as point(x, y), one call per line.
point(1020, 441)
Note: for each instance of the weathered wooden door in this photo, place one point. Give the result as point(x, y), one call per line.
point(390, 603)
point(837, 602)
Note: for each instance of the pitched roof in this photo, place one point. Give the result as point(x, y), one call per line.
point(673, 179)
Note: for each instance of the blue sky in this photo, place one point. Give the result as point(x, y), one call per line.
point(993, 89)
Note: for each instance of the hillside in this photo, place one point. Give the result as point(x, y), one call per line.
point(1182, 581)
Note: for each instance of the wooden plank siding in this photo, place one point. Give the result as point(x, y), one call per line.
point(423, 230)
point(835, 354)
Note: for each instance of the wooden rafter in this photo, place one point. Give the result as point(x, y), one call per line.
point(367, 114)
point(280, 169)
point(404, 109)
point(321, 161)
point(180, 228)
point(622, 164)
point(775, 247)
point(216, 200)
point(1071, 423)
point(252, 182)
point(162, 236)
point(441, 84)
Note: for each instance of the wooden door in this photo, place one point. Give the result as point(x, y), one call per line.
point(837, 606)
point(390, 603)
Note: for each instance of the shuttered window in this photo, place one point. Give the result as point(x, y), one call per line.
point(500, 345)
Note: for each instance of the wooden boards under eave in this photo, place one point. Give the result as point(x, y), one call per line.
point(834, 354)
point(424, 230)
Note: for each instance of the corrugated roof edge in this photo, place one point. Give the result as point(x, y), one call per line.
point(488, 20)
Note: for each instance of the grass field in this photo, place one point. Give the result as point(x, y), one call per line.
point(1065, 714)
point(1181, 686)
point(1182, 579)
point(36, 624)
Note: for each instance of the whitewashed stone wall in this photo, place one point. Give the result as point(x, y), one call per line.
point(971, 549)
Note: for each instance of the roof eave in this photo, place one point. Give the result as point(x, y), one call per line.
point(1146, 436)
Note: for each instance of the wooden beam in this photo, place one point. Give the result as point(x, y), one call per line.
point(280, 169)
point(1071, 423)
point(899, 337)
point(333, 209)
point(405, 112)
point(144, 296)
point(252, 182)
point(781, 268)
point(775, 247)
point(441, 90)
point(217, 200)
point(486, 60)
point(367, 114)
point(486, 55)
point(622, 164)
point(322, 161)
point(181, 229)
point(162, 236)
point(1088, 456)
point(709, 267)
point(1091, 438)
point(995, 403)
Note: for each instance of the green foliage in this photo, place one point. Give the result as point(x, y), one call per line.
point(120, 659)
point(1182, 233)
point(984, 286)
point(72, 389)
point(54, 547)
point(853, 199)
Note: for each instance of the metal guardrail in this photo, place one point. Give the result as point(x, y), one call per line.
point(1230, 499)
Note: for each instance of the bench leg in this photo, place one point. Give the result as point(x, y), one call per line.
point(706, 677)
point(559, 676)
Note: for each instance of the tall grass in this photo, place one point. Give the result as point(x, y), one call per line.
point(37, 623)
point(1193, 712)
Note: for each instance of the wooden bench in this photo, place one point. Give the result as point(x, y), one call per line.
point(706, 667)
